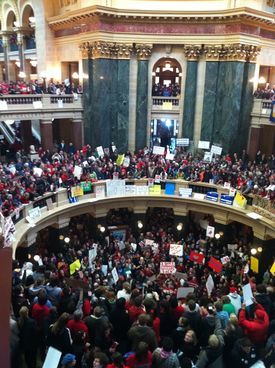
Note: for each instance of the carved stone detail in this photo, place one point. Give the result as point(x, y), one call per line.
point(107, 50)
point(143, 51)
point(192, 52)
point(233, 52)
point(212, 52)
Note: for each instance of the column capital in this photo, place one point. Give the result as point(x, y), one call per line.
point(143, 51)
point(212, 52)
point(192, 52)
point(106, 50)
point(239, 52)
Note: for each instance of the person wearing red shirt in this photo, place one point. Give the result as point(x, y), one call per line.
point(255, 329)
point(76, 324)
point(136, 309)
point(141, 358)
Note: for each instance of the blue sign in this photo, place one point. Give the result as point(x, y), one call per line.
point(272, 114)
point(212, 196)
point(226, 199)
point(170, 188)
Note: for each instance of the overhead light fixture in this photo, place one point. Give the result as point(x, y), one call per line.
point(260, 249)
point(168, 123)
point(36, 257)
point(167, 65)
point(217, 236)
point(140, 225)
point(102, 229)
point(262, 80)
point(61, 237)
point(253, 251)
point(67, 240)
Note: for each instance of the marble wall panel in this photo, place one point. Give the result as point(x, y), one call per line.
point(142, 104)
point(190, 99)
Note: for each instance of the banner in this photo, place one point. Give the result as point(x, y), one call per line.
point(86, 185)
point(170, 188)
point(272, 114)
point(196, 257)
point(215, 265)
point(216, 150)
point(77, 191)
point(176, 250)
point(254, 264)
point(167, 267)
point(155, 189)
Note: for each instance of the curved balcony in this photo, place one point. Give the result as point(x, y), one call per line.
point(261, 111)
point(60, 210)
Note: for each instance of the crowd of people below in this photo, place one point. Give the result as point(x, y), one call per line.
point(37, 87)
point(117, 309)
point(172, 90)
point(265, 93)
point(22, 179)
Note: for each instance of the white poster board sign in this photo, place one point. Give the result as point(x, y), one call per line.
point(167, 267)
point(142, 190)
point(170, 156)
point(3, 105)
point(37, 104)
point(157, 150)
point(35, 214)
point(184, 291)
point(52, 358)
point(216, 150)
point(185, 192)
point(99, 191)
point(210, 231)
point(100, 151)
point(60, 103)
point(115, 275)
point(78, 172)
point(204, 145)
point(130, 190)
point(115, 188)
point(37, 171)
point(247, 295)
point(182, 142)
point(176, 250)
point(208, 156)
point(209, 284)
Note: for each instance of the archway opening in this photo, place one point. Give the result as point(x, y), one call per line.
point(166, 78)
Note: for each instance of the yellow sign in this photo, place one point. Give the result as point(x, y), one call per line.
point(272, 270)
point(239, 201)
point(74, 266)
point(167, 105)
point(120, 159)
point(77, 191)
point(155, 189)
point(254, 264)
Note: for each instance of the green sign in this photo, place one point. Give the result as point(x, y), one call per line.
point(86, 185)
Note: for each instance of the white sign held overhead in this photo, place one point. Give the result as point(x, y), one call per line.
point(204, 145)
point(78, 172)
point(176, 250)
point(100, 151)
point(247, 295)
point(52, 358)
point(210, 231)
point(208, 156)
point(216, 150)
point(157, 150)
point(115, 275)
point(170, 156)
point(184, 142)
point(209, 284)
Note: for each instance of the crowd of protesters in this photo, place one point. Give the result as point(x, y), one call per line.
point(138, 319)
point(38, 87)
point(172, 90)
point(265, 93)
point(23, 180)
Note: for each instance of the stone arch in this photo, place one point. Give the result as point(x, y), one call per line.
point(26, 12)
point(167, 68)
point(10, 14)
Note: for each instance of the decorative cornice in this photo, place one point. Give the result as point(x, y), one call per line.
point(232, 52)
point(143, 51)
point(105, 50)
point(192, 52)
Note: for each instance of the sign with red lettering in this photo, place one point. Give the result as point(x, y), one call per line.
point(167, 267)
point(215, 265)
point(196, 257)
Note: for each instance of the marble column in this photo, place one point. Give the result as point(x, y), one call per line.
point(77, 133)
point(106, 93)
point(143, 55)
point(46, 132)
point(6, 57)
point(199, 100)
point(192, 53)
point(132, 103)
point(228, 96)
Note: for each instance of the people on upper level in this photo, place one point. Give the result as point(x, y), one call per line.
point(265, 93)
point(37, 87)
point(171, 90)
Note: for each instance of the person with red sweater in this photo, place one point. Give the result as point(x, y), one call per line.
point(76, 324)
point(255, 329)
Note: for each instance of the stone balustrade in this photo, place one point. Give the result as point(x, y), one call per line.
point(165, 103)
point(261, 112)
point(61, 210)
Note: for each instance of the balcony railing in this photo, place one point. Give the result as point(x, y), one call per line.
point(165, 103)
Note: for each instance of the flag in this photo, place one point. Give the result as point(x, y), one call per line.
point(215, 265)
point(74, 266)
point(239, 201)
point(272, 270)
point(272, 114)
point(196, 257)
point(254, 264)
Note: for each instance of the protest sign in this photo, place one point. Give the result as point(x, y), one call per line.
point(155, 189)
point(74, 266)
point(53, 356)
point(225, 260)
point(170, 188)
point(239, 200)
point(77, 191)
point(272, 270)
point(181, 276)
point(104, 270)
point(215, 265)
point(208, 156)
point(149, 241)
point(247, 295)
point(204, 145)
point(196, 257)
point(210, 231)
point(176, 250)
point(254, 264)
point(120, 160)
point(115, 275)
point(216, 150)
point(182, 142)
point(35, 214)
point(167, 267)
point(170, 156)
point(142, 190)
point(78, 172)
point(99, 191)
point(37, 171)
point(100, 151)
point(86, 185)
point(210, 284)
point(157, 150)
point(92, 255)
point(49, 204)
point(184, 291)
point(185, 192)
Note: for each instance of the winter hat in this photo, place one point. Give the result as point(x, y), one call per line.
point(233, 289)
point(68, 358)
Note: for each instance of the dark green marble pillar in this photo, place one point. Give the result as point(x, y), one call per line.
point(142, 104)
point(209, 100)
point(227, 104)
point(106, 102)
point(190, 99)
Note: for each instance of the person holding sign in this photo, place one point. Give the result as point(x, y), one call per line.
point(255, 329)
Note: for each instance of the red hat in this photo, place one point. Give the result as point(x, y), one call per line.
point(233, 289)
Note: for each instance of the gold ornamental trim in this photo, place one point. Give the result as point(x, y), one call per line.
point(192, 52)
point(231, 52)
point(143, 51)
point(106, 50)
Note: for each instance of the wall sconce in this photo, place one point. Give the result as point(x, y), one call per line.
point(22, 75)
point(262, 80)
point(140, 225)
point(102, 229)
point(17, 63)
point(33, 63)
point(179, 226)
